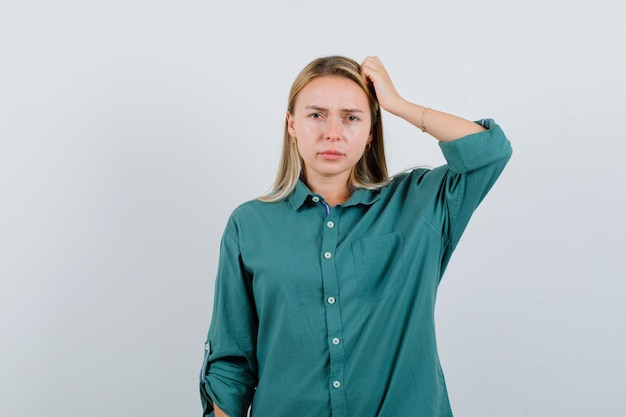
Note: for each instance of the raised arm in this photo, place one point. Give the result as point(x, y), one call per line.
point(442, 126)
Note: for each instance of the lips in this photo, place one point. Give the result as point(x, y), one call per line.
point(330, 155)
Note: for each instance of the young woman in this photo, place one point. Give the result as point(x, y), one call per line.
point(325, 291)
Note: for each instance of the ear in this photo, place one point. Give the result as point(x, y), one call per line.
point(290, 124)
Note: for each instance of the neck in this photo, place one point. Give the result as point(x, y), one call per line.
point(333, 190)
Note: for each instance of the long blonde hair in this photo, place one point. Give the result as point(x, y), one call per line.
point(371, 170)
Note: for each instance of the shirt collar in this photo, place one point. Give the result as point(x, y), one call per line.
point(301, 194)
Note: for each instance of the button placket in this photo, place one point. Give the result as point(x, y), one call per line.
point(334, 328)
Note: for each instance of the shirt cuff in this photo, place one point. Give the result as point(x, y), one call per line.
point(233, 397)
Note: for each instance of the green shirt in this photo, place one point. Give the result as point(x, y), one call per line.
point(325, 311)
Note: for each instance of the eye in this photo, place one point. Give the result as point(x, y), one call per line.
point(315, 115)
point(352, 118)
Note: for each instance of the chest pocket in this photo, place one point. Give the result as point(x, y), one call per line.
point(378, 265)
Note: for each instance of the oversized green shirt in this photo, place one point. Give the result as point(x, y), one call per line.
point(323, 311)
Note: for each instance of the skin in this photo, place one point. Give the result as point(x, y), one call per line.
point(325, 123)
point(332, 97)
point(332, 123)
point(442, 126)
point(218, 412)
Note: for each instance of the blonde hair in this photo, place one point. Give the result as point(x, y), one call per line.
point(371, 170)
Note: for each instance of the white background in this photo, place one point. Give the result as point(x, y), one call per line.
point(129, 130)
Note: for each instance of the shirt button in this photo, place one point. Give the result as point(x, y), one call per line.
point(331, 300)
point(336, 384)
point(336, 341)
point(330, 225)
point(316, 199)
point(328, 255)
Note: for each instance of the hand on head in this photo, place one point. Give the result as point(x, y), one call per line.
point(373, 71)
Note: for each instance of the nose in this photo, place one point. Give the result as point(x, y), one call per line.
point(333, 129)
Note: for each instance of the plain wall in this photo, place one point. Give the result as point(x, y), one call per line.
point(129, 130)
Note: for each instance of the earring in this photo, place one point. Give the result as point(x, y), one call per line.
point(368, 146)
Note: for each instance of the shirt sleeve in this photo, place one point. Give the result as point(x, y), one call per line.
point(474, 163)
point(229, 372)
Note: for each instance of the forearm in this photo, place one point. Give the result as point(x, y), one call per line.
point(218, 412)
point(442, 126)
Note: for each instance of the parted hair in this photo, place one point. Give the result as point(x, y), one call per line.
point(371, 170)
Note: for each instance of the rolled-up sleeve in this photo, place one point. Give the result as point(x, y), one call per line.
point(229, 372)
point(490, 147)
point(474, 163)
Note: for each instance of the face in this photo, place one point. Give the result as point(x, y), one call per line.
point(332, 123)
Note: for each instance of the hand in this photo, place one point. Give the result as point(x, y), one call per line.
point(444, 127)
point(218, 412)
point(373, 70)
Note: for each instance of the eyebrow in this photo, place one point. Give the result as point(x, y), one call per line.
point(348, 110)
